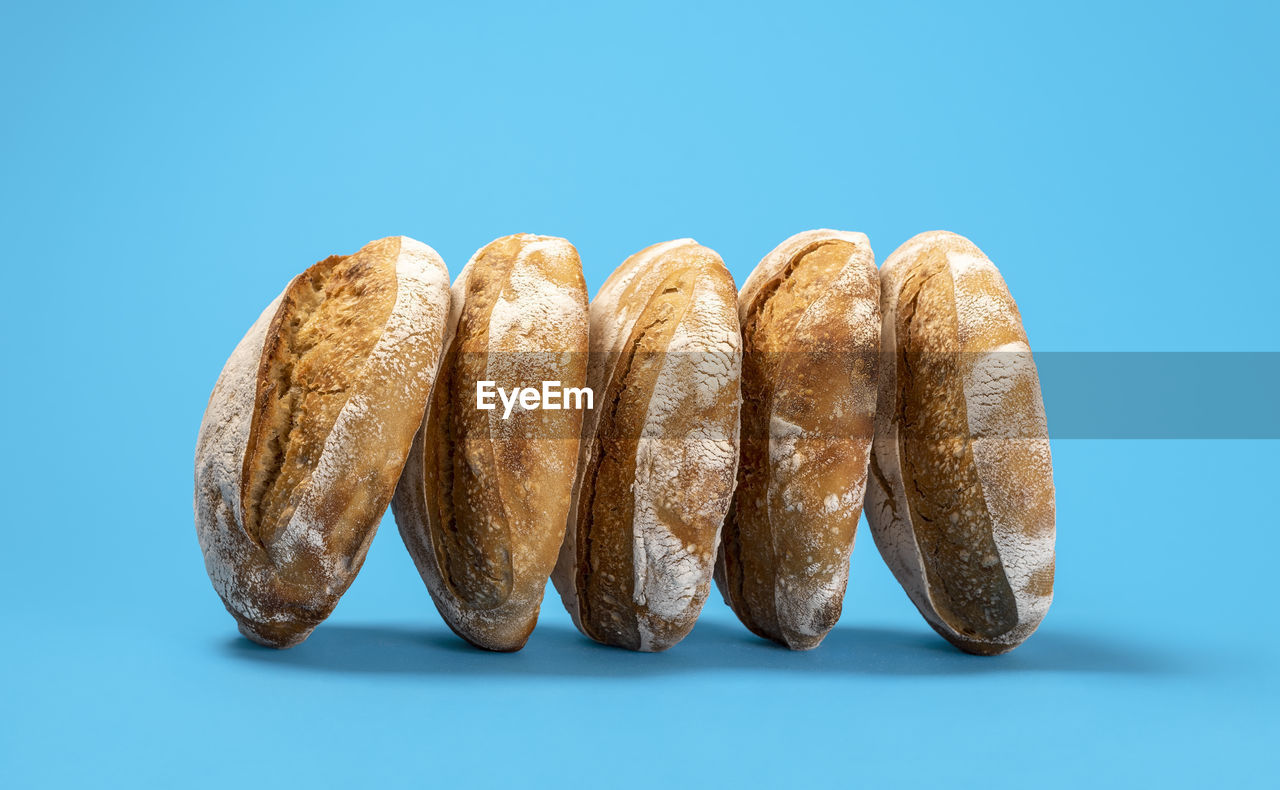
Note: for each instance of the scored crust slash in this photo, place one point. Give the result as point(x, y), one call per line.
point(633, 447)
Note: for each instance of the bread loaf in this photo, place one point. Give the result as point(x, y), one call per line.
point(660, 450)
point(308, 428)
point(484, 498)
point(810, 315)
point(961, 497)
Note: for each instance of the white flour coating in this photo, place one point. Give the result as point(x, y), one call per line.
point(1025, 557)
point(1006, 420)
point(966, 263)
point(783, 440)
point(979, 313)
point(843, 303)
point(863, 319)
point(911, 249)
point(704, 360)
point(237, 564)
point(831, 583)
point(999, 386)
point(707, 346)
point(532, 301)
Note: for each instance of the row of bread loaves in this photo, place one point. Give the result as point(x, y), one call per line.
point(727, 435)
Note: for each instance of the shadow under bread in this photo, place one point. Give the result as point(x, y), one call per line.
point(558, 650)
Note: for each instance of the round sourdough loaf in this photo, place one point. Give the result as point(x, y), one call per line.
point(307, 430)
point(810, 315)
point(660, 450)
point(484, 497)
point(961, 496)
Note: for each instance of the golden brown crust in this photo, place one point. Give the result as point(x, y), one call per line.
point(811, 322)
point(307, 429)
point(962, 488)
point(329, 319)
point(660, 450)
point(483, 501)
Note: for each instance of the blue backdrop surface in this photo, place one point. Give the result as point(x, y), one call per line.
point(168, 168)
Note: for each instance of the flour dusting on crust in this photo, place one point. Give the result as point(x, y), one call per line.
point(703, 363)
point(1010, 437)
point(220, 447)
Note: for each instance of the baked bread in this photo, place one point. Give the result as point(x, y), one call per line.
point(810, 315)
point(961, 496)
point(484, 497)
point(660, 450)
point(307, 430)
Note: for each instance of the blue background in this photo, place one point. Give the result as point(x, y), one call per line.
point(167, 169)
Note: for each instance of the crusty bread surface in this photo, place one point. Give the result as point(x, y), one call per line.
point(810, 316)
point(659, 453)
point(483, 501)
point(307, 430)
point(961, 499)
